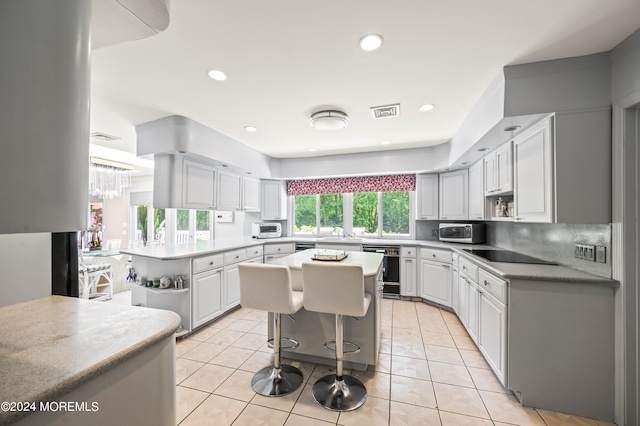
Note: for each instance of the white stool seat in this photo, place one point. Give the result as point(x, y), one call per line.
point(336, 288)
point(269, 288)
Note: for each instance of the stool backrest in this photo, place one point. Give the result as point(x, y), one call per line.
point(266, 287)
point(335, 288)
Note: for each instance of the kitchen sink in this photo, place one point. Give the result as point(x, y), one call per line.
point(341, 240)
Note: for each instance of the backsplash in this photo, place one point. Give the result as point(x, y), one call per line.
point(553, 242)
point(547, 241)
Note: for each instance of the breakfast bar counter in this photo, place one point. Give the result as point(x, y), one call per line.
point(312, 329)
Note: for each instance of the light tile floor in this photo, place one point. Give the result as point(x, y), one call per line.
point(429, 373)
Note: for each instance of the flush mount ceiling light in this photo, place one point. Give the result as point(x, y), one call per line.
point(217, 75)
point(371, 42)
point(251, 128)
point(329, 120)
point(425, 107)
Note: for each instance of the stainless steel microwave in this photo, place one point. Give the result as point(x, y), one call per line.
point(266, 230)
point(468, 233)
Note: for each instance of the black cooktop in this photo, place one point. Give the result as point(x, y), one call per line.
point(506, 256)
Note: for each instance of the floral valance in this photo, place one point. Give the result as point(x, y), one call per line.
point(388, 183)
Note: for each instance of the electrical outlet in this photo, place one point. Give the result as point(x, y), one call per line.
point(585, 252)
point(601, 254)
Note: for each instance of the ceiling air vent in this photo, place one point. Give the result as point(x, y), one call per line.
point(103, 137)
point(385, 111)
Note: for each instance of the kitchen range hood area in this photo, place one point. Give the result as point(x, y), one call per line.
point(586, 103)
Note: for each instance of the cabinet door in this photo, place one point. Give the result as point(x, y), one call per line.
point(198, 186)
point(474, 305)
point(435, 282)
point(427, 191)
point(490, 185)
point(492, 333)
point(463, 299)
point(504, 168)
point(207, 296)
point(533, 198)
point(476, 191)
point(231, 293)
point(229, 191)
point(273, 200)
point(250, 194)
point(408, 271)
point(455, 290)
point(454, 195)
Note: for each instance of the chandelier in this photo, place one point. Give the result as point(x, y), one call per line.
point(108, 179)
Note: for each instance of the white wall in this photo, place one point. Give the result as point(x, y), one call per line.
point(25, 265)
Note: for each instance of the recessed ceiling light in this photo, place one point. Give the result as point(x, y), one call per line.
point(311, 150)
point(425, 107)
point(371, 42)
point(386, 142)
point(217, 75)
point(251, 128)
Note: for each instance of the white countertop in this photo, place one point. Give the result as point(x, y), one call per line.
point(52, 345)
point(523, 271)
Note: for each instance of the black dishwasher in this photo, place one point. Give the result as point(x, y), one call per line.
point(390, 265)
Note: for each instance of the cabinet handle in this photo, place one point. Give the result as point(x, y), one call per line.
point(485, 282)
point(237, 257)
point(517, 218)
point(211, 263)
point(433, 255)
point(464, 268)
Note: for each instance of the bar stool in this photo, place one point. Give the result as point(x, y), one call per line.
point(337, 289)
point(268, 288)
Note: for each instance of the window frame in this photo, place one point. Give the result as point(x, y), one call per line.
point(347, 204)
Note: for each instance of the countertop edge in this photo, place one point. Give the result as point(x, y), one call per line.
point(67, 385)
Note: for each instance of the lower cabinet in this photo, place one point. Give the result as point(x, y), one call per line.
point(472, 320)
point(492, 335)
point(435, 282)
point(408, 272)
point(207, 296)
point(463, 299)
point(231, 289)
point(455, 299)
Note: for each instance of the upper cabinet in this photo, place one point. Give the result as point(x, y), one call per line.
point(250, 194)
point(198, 181)
point(498, 174)
point(476, 191)
point(182, 183)
point(274, 200)
point(229, 194)
point(533, 157)
point(454, 195)
point(427, 191)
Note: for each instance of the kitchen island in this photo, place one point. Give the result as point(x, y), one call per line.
point(313, 329)
point(76, 362)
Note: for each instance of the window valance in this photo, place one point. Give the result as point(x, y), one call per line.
point(389, 183)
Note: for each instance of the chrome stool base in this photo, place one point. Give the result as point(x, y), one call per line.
point(339, 395)
point(271, 381)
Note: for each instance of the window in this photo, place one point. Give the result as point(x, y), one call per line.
point(364, 214)
point(160, 224)
point(203, 225)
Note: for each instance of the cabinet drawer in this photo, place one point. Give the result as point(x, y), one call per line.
point(235, 256)
point(256, 251)
point(202, 264)
point(285, 248)
point(493, 285)
point(408, 251)
point(468, 268)
point(436, 255)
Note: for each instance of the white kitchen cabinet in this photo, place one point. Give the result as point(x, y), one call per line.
point(492, 333)
point(229, 191)
point(463, 298)
point(278, 250)
point(435, 276)
point(476, 191)
point(207, 296)
point(250, 194)
point(498, 174)
point(231, 288)
point(455, 276)
point(533, 158)
point(427, 194)
point(274, 200)
point(454, 198)
point(473, 307)
point(198, 185)
point(408, 271)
